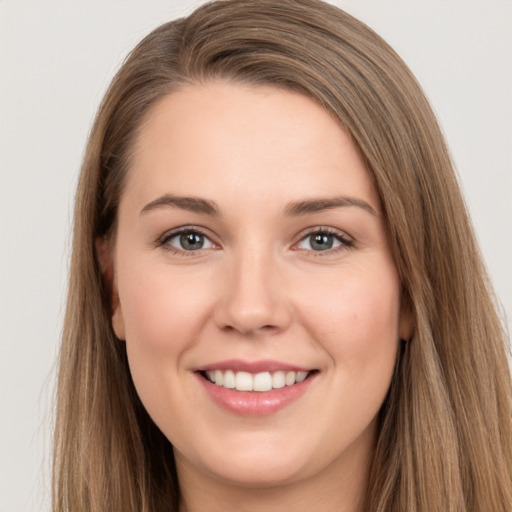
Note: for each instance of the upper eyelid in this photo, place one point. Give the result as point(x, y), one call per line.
point(186, 229)
point(323, 229)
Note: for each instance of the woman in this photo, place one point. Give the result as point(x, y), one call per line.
point(269, 300)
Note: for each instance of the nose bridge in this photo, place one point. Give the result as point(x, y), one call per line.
point(253, 296)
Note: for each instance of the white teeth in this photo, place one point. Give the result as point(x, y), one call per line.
point(264, 381)
point(243, 381)
point(290, 378)
point(301, 376)
point(278, 380)
point(229, 380)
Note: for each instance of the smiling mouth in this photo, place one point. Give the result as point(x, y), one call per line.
point(259, 382)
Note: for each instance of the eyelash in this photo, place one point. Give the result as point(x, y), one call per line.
point(345, 241)
point(163, 241)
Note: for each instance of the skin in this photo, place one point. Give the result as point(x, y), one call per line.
point(257, 290)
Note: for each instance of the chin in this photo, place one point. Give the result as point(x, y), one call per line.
point(261, 474)
point(256, 464)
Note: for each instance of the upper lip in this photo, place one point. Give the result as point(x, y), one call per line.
point(263, 365)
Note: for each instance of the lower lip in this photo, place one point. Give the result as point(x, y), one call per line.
point(255, 403)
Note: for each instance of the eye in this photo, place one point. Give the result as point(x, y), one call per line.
point(323, 240)
point(188, 240)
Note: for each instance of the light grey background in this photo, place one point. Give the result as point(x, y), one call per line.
point(56, 59)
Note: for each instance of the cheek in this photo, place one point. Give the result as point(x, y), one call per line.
point(356, 319)
point(161, 307)
point(163, 313)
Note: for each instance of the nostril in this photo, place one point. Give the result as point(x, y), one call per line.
point(250, 332)
point(251, 313)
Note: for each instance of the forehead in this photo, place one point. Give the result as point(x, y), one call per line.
point(260, 140)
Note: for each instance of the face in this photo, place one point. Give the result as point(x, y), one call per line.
point(251, 253)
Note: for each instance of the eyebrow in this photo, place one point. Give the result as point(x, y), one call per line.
point(293, 209)
point(315, 205)
point(192, 204)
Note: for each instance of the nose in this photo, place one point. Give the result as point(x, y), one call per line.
point(253, 298)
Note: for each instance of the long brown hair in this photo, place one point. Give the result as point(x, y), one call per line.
point(445, 430)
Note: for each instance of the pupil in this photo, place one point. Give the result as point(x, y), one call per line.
point(322, 242)
point(191, 241)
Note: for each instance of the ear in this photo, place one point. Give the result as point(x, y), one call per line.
point(106, 262)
